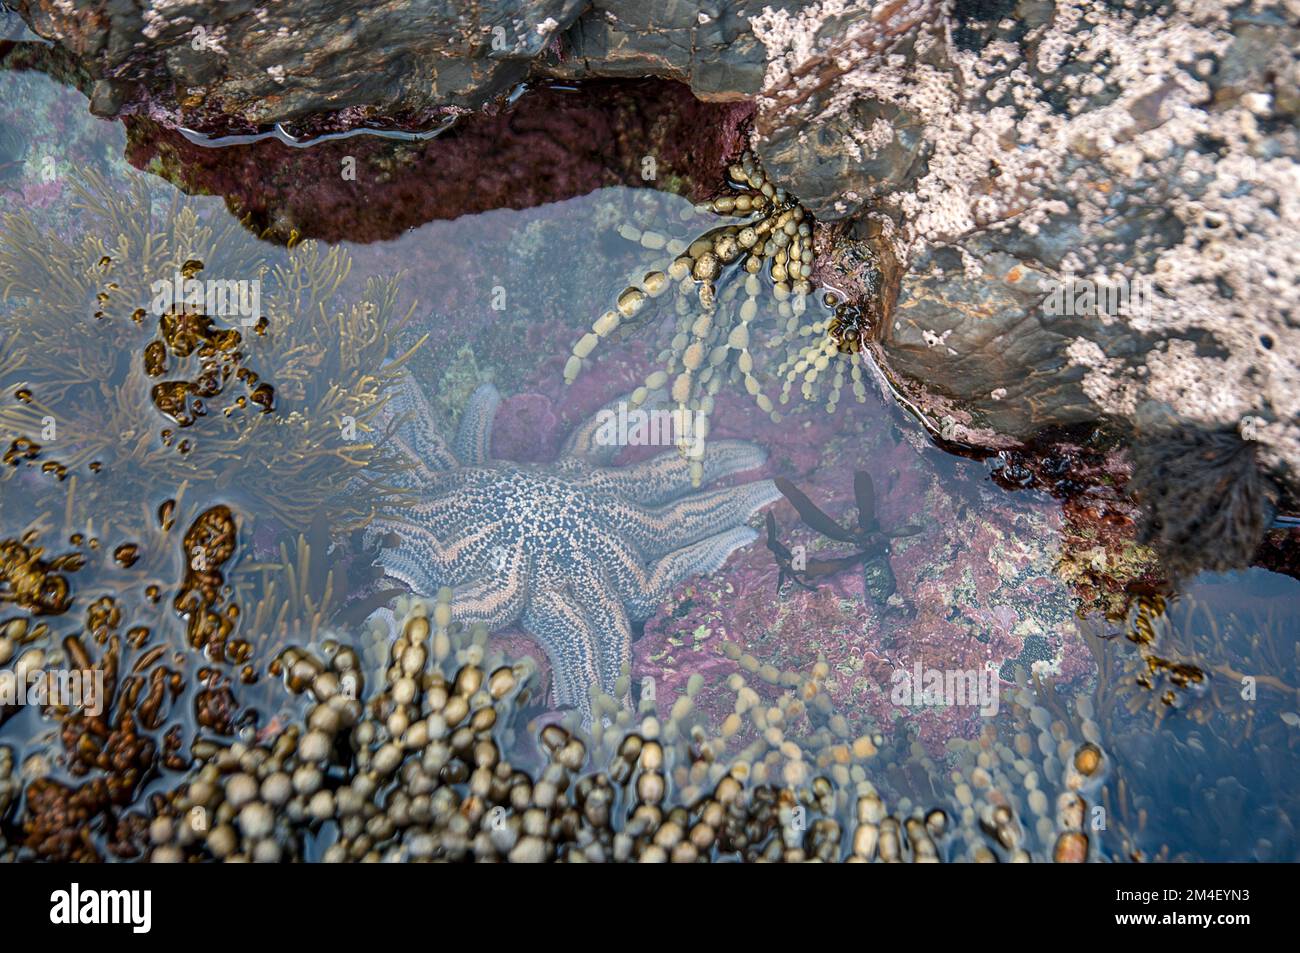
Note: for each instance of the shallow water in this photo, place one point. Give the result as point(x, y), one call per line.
point(986, 580)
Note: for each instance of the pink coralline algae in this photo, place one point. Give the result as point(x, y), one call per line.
point(534, 151)
point(975, 588)
point(526, 429)
point(36, 174)
point(41, 194)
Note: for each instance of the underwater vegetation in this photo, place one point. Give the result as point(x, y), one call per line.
point(13, 149)
point(872, 542)
point(430, 762)
point(171, 623)
point(1032, 780)
point(150, 694)
point(1099, 556)
point(175, 476)
point(712, 343)
point(1123, 772)
point(1190, 658)
point(431, 757)
point(1207, 504)
point(173, 626)
point(127, 400)
point(573, 551)
point(433, 763)
point(419, 767)
point(1207, 764)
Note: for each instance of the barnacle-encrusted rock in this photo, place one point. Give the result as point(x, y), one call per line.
point(711, 46)
point(1074, 147)
point(819, 127)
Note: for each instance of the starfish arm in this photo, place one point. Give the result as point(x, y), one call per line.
point(652, 587)
point(447, 511)
point(404, 565)
point(425, 483)
point(668, 476)
point(554, 618)
point(602, 605)
point(455, 503)
point(497, 600)
point(418, 476)
point(474, 437)
point(413, 421)
point(659, 530)
point(585, 443)
point(425, 563)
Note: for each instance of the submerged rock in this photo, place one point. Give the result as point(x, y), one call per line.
point(537, 150)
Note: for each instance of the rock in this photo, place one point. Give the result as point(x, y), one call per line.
point(708, 46)
point(538, 149)
point(820, 130)
point(326, 64)
point(835, 180)
point(981, 342)
point(195, 63)
point(1018, 164)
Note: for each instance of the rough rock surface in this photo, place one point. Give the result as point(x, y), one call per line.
point(989, 151)
point(819, 128)
point(1021, 144)
point(218, 66)
point(709, 46)
point(263, 63)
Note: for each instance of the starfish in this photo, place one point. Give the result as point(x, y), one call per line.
point(573, 551)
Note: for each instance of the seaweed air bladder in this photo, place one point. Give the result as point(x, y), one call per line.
point(719, 281)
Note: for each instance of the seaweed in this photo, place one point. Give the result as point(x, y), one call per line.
point(1206, 502)
point(872, 543)
point(273, 412)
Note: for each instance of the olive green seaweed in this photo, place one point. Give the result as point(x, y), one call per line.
point(76, 320)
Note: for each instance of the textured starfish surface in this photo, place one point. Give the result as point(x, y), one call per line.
point(573, 551)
